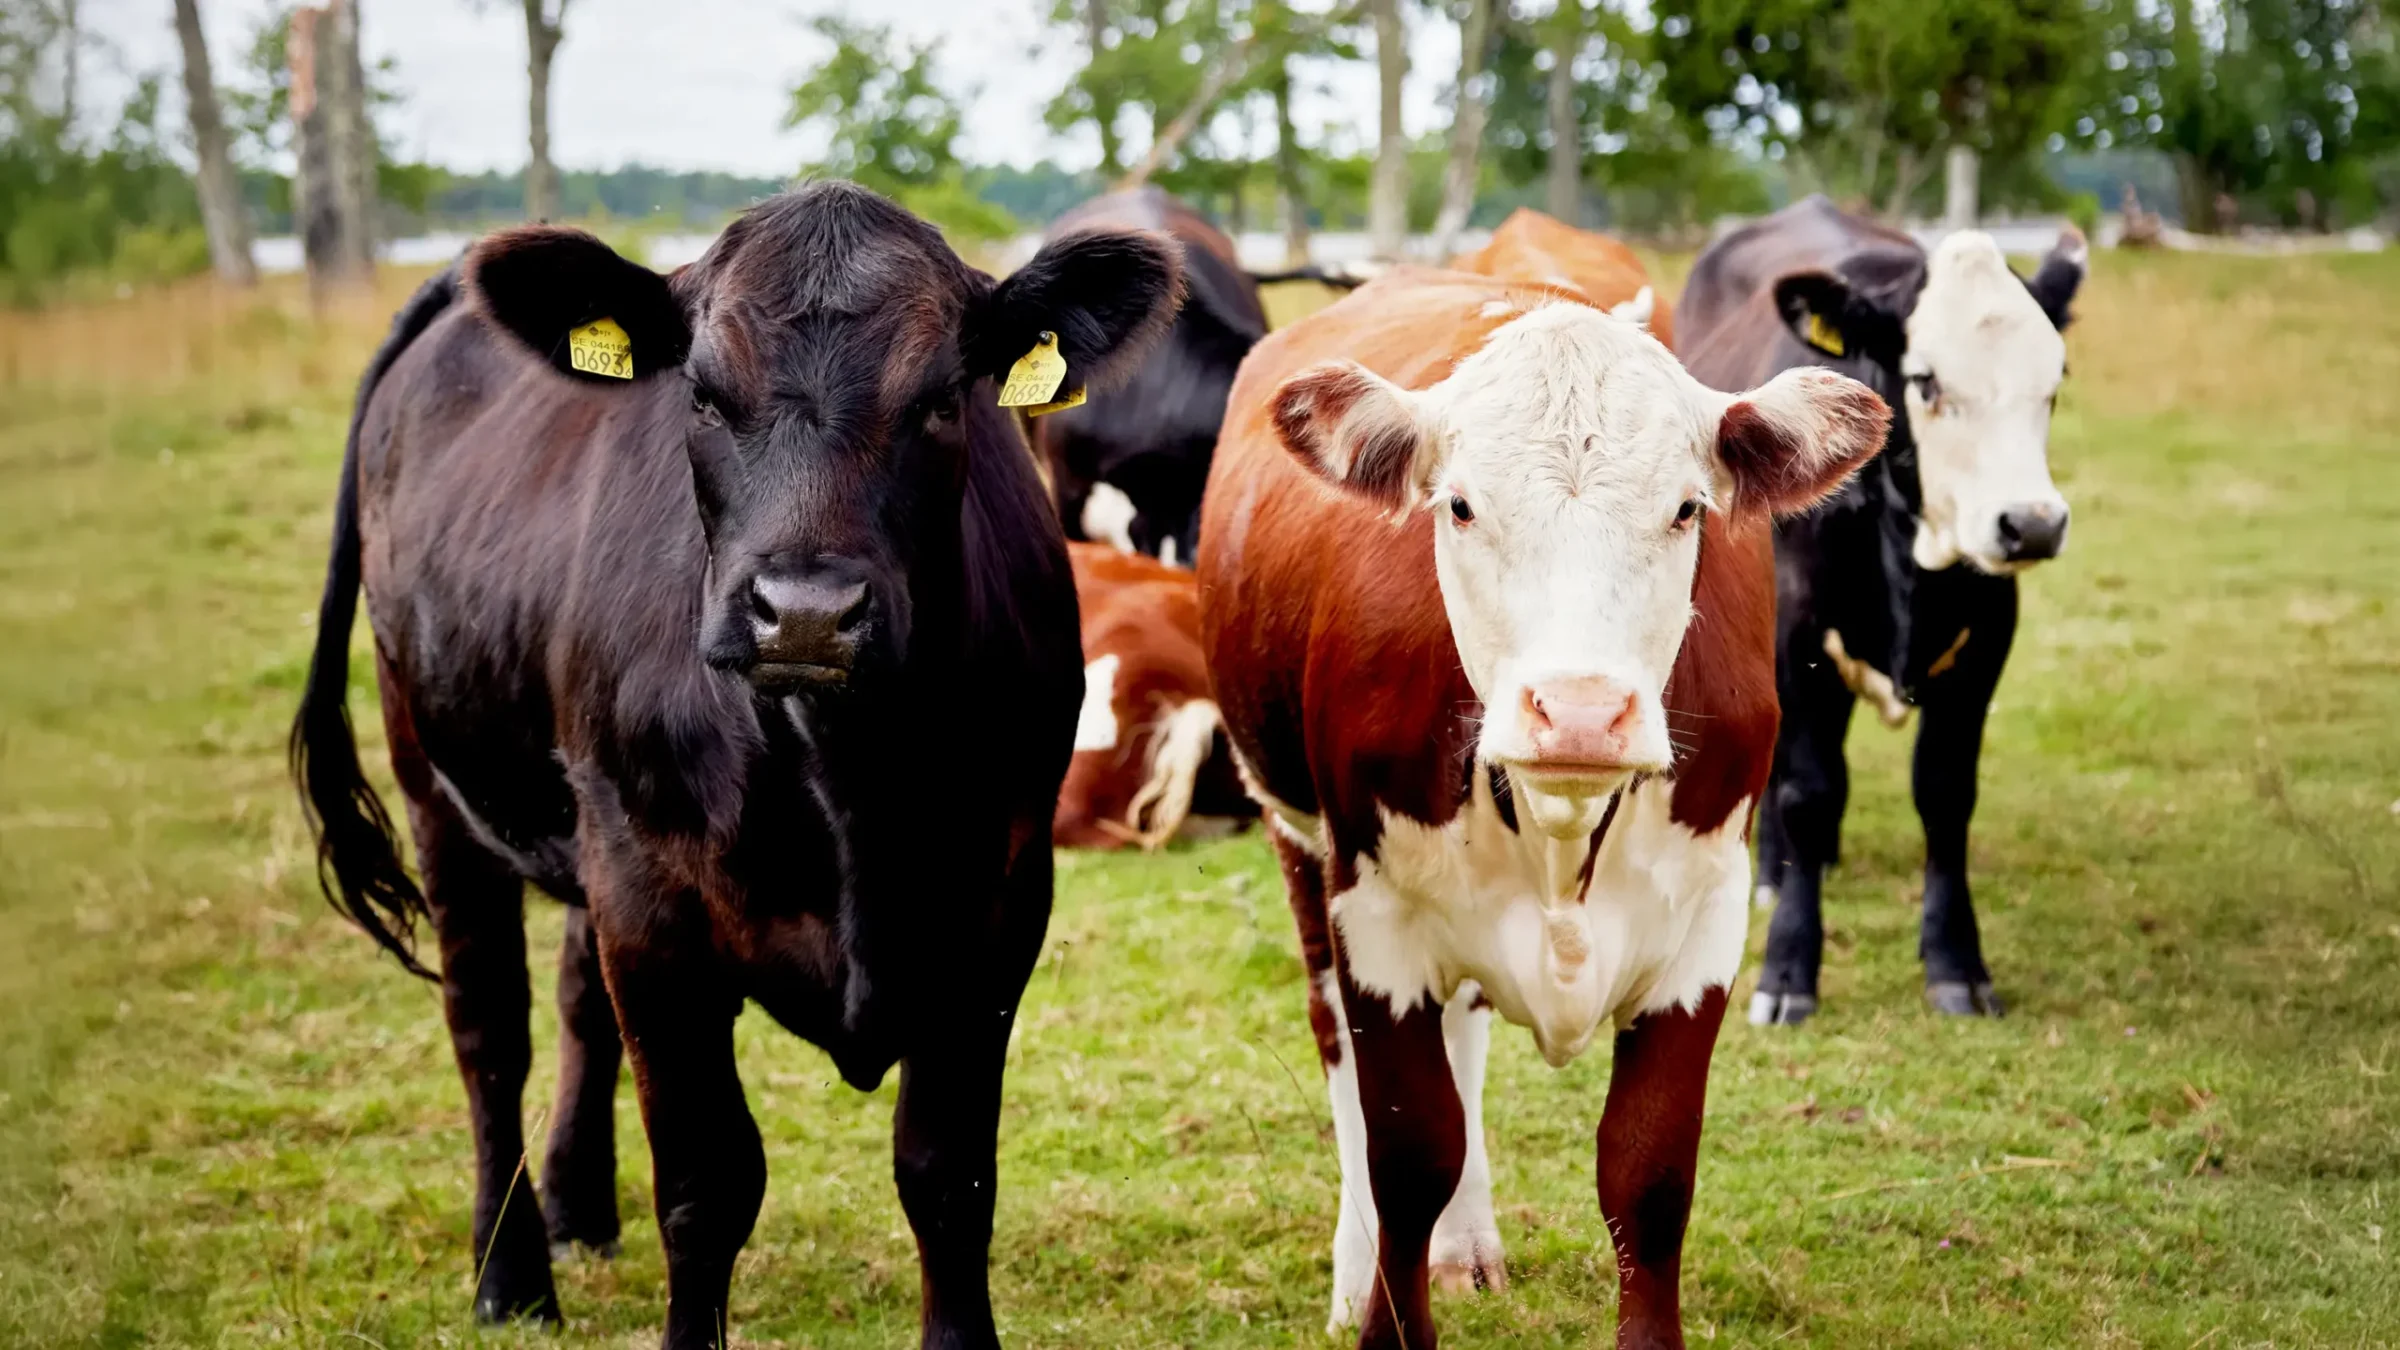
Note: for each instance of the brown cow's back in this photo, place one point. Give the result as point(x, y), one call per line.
point(1533, 247)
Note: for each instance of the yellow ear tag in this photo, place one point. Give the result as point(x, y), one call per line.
point(1033, 381)
point(601, 348)
point(1824, 336)
point(1073, 399)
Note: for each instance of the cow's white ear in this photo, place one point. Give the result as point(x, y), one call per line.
point(1638, 310)
point(1360, 432)
point(1789, 443)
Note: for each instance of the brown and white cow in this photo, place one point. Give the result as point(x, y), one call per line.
point(1486, 591)
point(1149, 745)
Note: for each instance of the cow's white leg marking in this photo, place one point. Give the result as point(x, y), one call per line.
point(1108, 516)
point(1466, 1240)
point(1354, 1232)
point(1096, 725)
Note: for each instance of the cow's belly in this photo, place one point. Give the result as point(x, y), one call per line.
point(1663, 922)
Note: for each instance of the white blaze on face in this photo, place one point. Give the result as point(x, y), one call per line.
point(1573, 444)
point(1983, 365)
point(1568, 463)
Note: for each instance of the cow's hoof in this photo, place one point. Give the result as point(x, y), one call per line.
point(1485, 1270)
point(1957, 998)
point(496, 1309)
point(564, 1251)
point(1781, 1010)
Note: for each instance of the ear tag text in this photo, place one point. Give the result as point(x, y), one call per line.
point(1073, 398)
point(1824, 336)
point(601, 348)
point(1033, 381)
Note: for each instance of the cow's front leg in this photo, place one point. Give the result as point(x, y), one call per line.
point(1416, 1144)
point(1805, 800)
point(946, 1128)
point(1943, 779)
point(676, 1006)
point(945, 1149)
point(1649, 1149)
point(579, 1176)
point(1466, 1241)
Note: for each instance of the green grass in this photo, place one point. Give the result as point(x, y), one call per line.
point(224, 1121)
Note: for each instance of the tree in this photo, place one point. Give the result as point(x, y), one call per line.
point(1387, 201)
point(1863, 97)
point(342, 82)
point(1562, 176)
point(545, 28)
point(1467, 107)
point(890, 125)
point(2286, 103)
point(220, 192)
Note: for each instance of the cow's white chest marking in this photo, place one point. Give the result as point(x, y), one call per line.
point(1663, 922)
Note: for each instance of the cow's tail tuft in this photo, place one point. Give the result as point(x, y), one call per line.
point(1180, 745)
point(358, 853)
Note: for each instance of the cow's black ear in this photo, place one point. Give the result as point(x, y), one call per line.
point(548, 287)
point(2060, 276)
point(1107, 294)
point(1830, 316)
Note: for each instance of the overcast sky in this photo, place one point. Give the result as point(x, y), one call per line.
point(707, 87)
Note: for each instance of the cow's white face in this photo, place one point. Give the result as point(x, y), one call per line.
point(1982, 365)
point(1568, 464)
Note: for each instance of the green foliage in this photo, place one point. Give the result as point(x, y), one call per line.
point(124, 211)
point(890, 125)
point(1863, 96)
point(2288, 105)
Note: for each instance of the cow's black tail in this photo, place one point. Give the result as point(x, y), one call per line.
point(358, 856)
point(1338, 280)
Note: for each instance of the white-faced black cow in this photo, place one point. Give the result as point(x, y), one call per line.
point(763, 654)
point(1901, 588)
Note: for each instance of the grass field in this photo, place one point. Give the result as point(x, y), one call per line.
point(224, 1121)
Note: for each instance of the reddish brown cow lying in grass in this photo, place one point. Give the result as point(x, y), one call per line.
point(1486, 593)
point(1149, 748)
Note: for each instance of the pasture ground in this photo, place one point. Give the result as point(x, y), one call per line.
point(225, 1121)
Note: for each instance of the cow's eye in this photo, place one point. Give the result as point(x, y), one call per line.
point(704, 407)
point(1929, 390)
point(940, 408)
point(1460, 511)
point(1688, 512)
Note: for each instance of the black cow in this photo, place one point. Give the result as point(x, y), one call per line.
point(1128, 467)
point(764, 659)
point(1902, 587)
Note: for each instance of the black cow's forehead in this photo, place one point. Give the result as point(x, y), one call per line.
point(833, 247)
point(833, 263)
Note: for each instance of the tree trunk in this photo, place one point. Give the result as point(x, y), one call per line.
point(1172, 136)
point(543, 33)
point(1565, 179)
point(220, 191)
point(1104, 108)
point(1387, 204)
point(1962, 179)
point(70, 23)
point(1466, 130)
point(1288, 185)
point(342, 92)
point(315, 214)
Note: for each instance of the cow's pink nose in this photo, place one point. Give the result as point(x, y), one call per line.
point(1591, 721)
